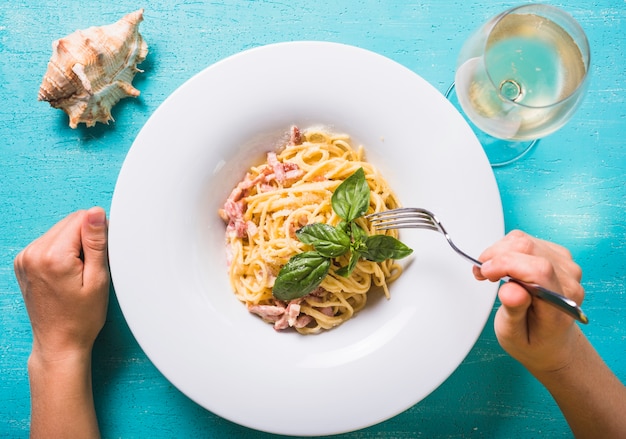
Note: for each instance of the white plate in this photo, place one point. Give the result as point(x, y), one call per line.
point(167, 242)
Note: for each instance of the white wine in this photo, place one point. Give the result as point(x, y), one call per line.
point(527, 82)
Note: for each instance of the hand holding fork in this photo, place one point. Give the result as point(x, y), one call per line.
point(424, 219)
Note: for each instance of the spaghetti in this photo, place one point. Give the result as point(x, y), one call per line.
point(275, 199)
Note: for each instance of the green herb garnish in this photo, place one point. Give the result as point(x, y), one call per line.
point(304, 272)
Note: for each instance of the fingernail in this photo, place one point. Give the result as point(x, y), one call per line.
point(96, 217)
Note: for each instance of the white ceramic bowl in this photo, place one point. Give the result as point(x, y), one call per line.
point(167, 241)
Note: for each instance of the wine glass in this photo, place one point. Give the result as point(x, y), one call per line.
point(520, 77)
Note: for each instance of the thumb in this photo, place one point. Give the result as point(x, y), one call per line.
point(515, 299)
point(94, 242)
point(511, 318)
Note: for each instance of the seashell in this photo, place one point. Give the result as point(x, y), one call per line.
point(91, 70)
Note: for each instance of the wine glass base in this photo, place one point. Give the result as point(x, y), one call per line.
point(500, 152)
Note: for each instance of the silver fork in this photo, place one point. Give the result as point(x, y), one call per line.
point(416, 218)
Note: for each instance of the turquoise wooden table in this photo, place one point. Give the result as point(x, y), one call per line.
point(571, 189)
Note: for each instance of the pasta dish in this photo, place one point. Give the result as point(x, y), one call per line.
point(276, 199)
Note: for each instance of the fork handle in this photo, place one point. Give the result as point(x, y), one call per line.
point(555, 299)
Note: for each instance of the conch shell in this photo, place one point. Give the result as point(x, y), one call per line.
point(92, 69)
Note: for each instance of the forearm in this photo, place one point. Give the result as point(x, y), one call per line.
point(62, 403)
point(591, 397)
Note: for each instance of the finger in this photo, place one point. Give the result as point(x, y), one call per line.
point(514, 241)
point(94, 244)
point(478, 273)
point(511, 321)
point(520, 242)
point(63, 239)
point(527, 268)
point(56, 251)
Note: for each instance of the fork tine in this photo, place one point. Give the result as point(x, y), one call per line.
point(406, 212)
point(402, 211)
point(403, 218)
point(405, 225)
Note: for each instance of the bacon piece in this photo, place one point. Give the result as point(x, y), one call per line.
point(327, 310)
point(233, 211)
point(296, 136)
point(318, 292)
point(303, 321)
point(289, 317)
point(284, 173)
point(293, 174)
point(235, 205)
point(251, 228)
point(283, 315)
point(301, 221)
point(317, 296)
point(269, 313)
point(292, 312)
point(277, 167)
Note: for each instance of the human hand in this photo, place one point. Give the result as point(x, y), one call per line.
point(542, 338)
point(64, 279)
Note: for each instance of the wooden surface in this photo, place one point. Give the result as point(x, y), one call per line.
point(570, 189)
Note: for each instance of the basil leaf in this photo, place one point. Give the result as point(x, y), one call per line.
point(348, 269)
point(358, 234)
point(327, 240)
point(382, 247)
point(343, 226)
point(302, 274)
point(352, 197)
